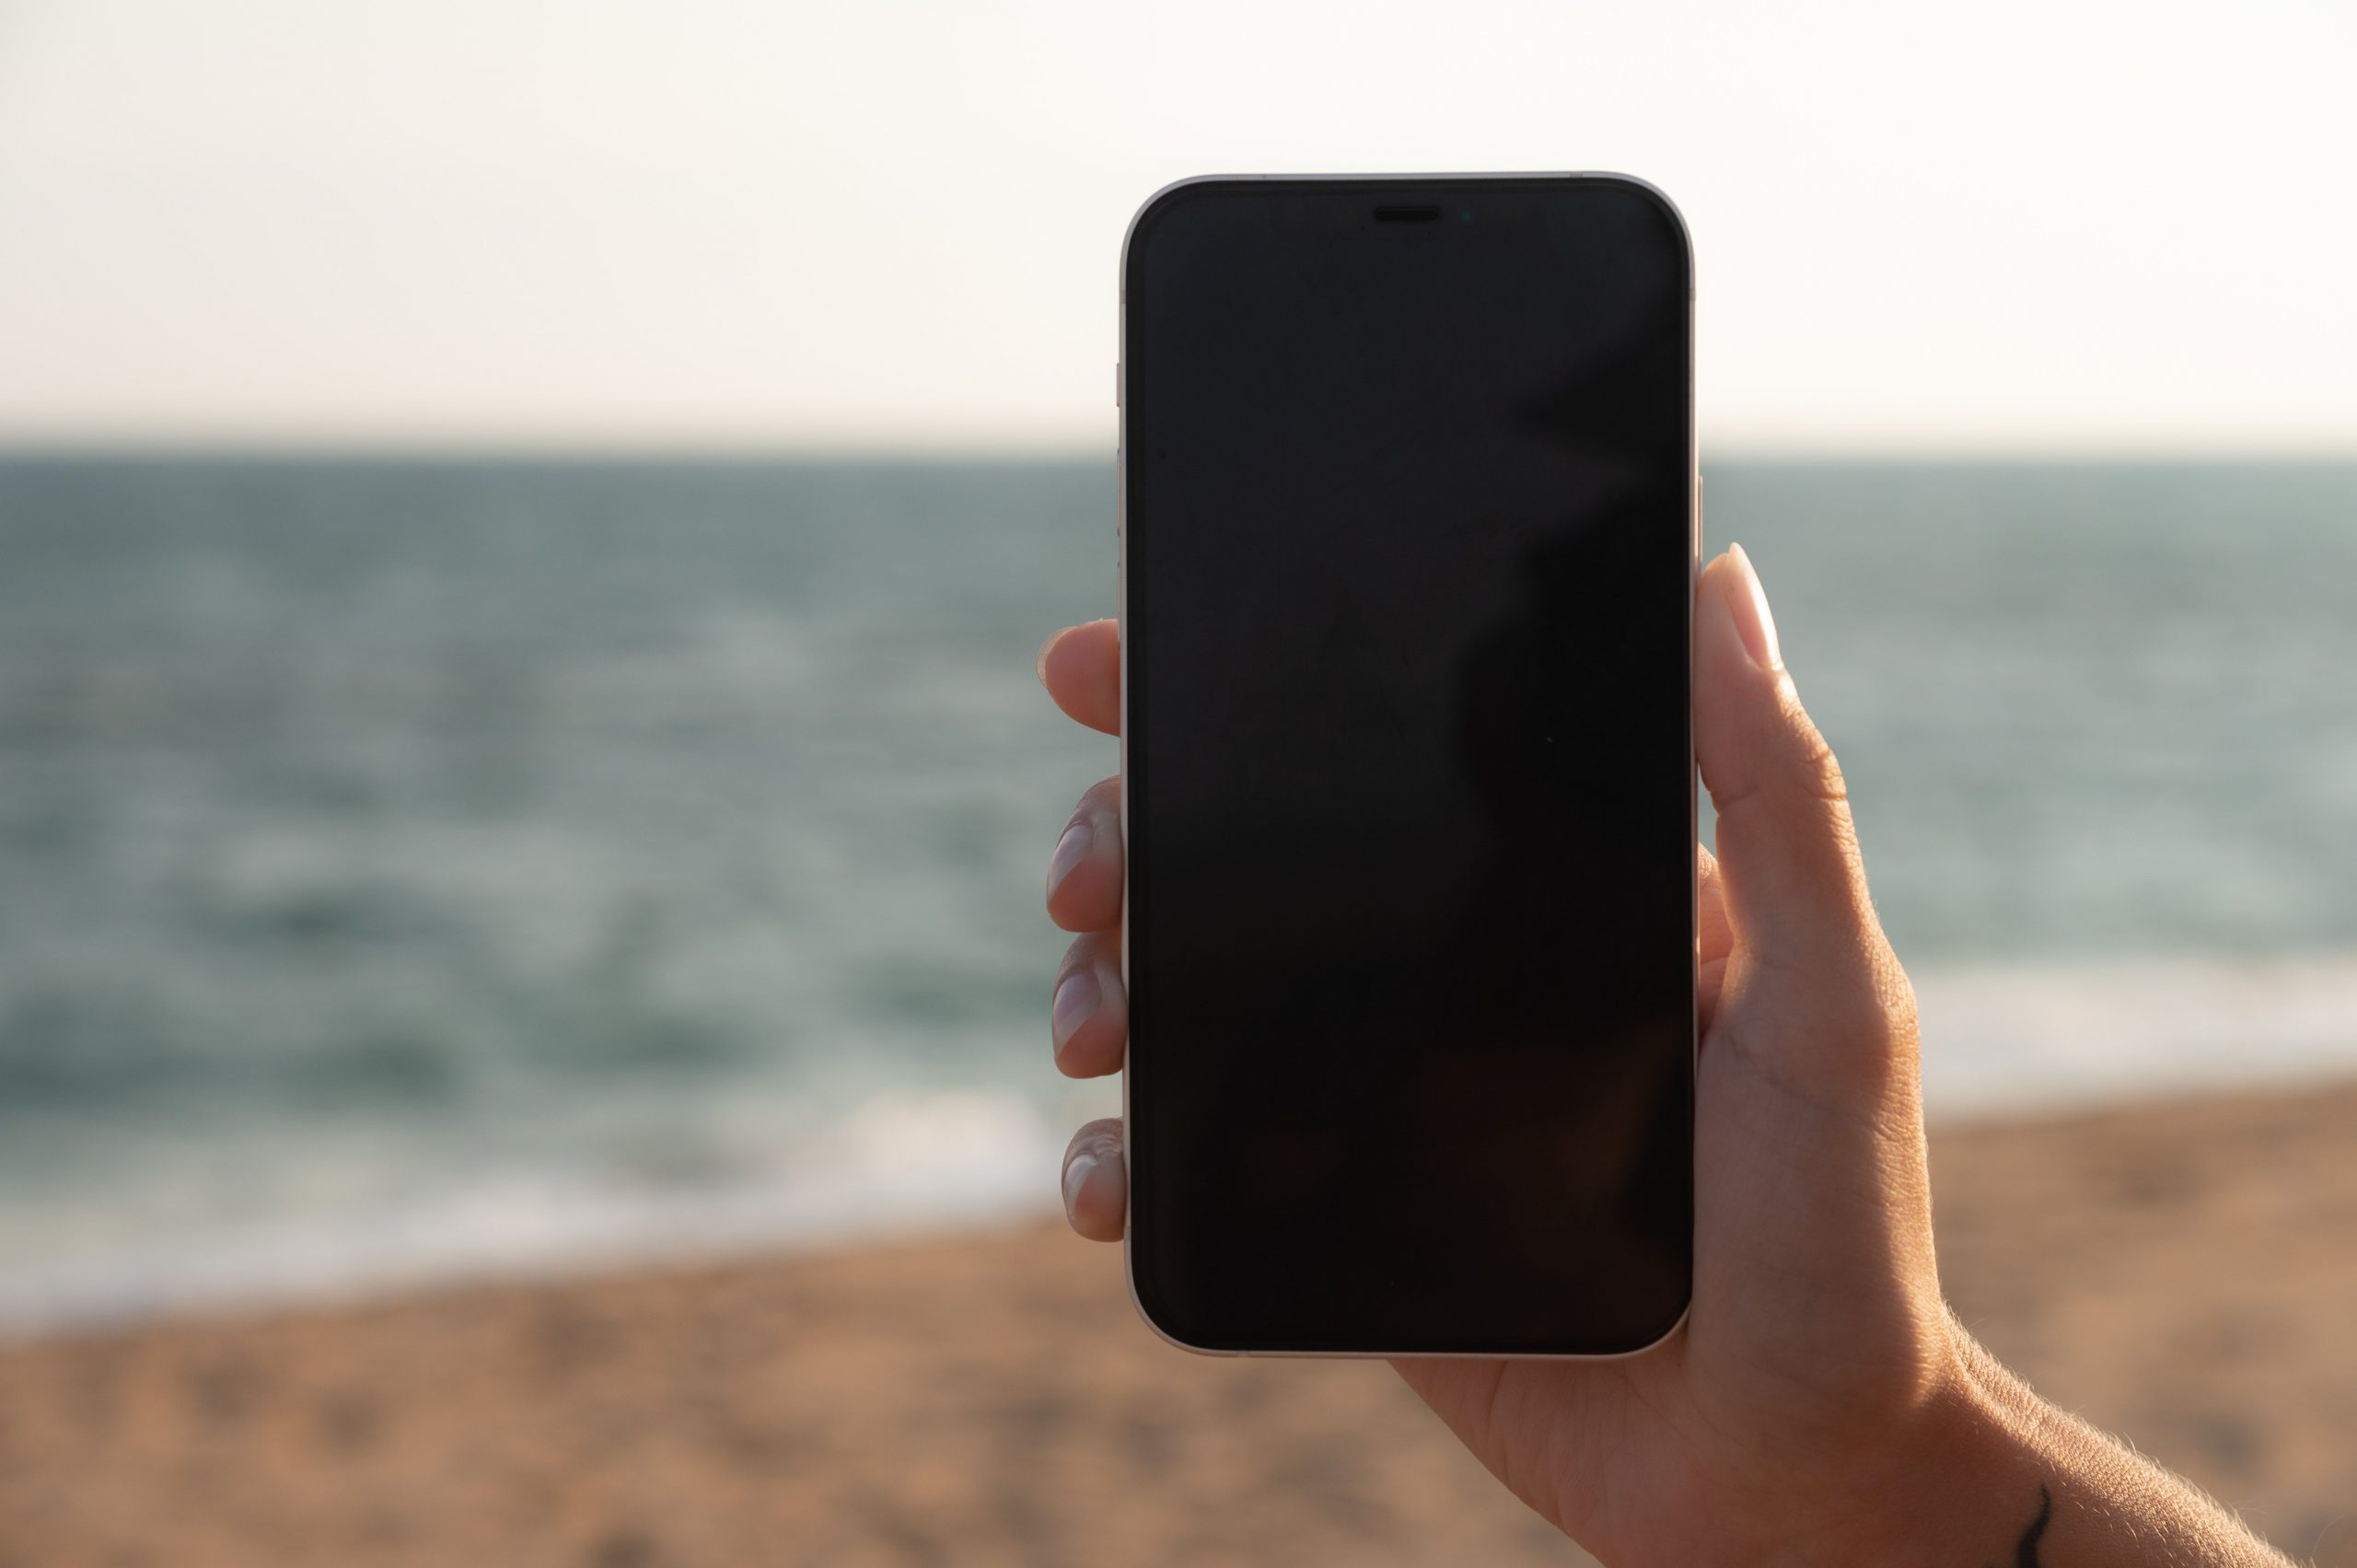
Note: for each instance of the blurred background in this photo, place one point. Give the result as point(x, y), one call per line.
point(523, 532)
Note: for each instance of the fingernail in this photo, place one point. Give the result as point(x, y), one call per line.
point(1076, 1173)
point(1076, 999)
point(1754, 622)
point(1071, 850)
point(1039, 664)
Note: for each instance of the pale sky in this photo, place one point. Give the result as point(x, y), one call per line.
point(877, 223)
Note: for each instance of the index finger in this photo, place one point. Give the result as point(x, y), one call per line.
point(1081, 667)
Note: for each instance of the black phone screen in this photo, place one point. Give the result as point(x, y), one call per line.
point(1407, 503)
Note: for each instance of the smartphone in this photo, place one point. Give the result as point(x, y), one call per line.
point(1409, 543)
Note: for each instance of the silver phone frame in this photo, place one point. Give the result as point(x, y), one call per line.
point(1693, 572)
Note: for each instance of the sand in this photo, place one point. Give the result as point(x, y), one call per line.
point(2184, 1273)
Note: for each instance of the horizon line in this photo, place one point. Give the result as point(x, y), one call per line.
point(152, 448)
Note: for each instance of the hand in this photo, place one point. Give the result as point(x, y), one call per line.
point(1821, 1405)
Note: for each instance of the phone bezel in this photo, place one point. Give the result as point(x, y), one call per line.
point(1694, 551)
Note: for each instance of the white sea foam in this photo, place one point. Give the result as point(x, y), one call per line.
point(893, 1168)
point(2014, 1038)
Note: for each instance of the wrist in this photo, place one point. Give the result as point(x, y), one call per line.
point(1987, 1472)
point(1976, 1481)
point(1941, 1481)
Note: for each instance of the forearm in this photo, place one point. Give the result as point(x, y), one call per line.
point(2008, 1479)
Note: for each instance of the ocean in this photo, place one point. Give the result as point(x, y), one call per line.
point(416, 869)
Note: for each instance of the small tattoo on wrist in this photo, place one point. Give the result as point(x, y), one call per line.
point(2026, 1554)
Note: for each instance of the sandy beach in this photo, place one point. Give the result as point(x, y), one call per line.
point(2186, 1273)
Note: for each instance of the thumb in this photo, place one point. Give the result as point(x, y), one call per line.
point(1796, 890)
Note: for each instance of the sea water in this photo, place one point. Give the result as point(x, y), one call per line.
point(419, 869)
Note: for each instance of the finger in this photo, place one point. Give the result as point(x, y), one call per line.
point(1081, 667)
point(1715, 937)
point(1793, 888)
point(1097, 1181)
point(1088, 1018)
point(1085, 869)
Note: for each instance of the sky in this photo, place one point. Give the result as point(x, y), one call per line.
point(883, 226)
